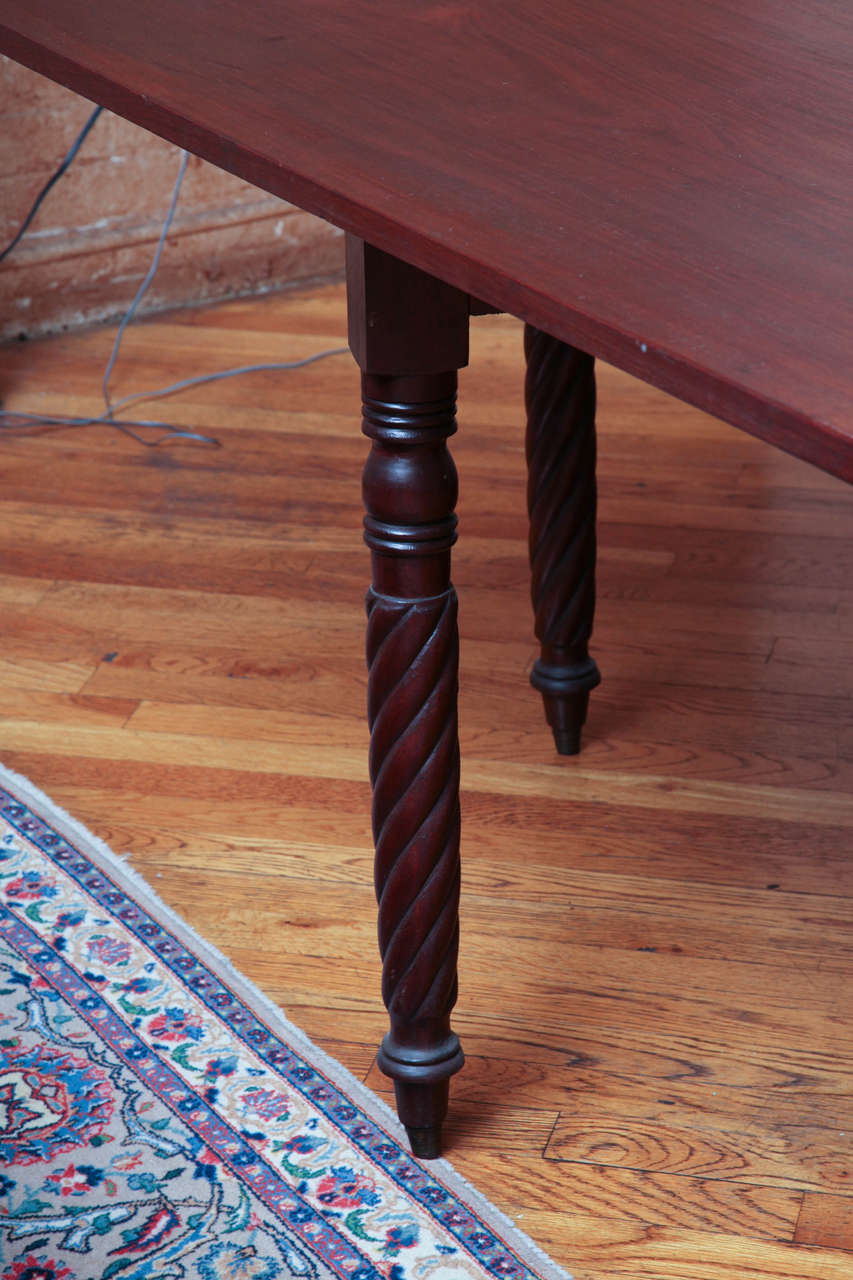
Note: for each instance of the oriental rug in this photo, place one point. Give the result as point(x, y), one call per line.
point(160, 1118)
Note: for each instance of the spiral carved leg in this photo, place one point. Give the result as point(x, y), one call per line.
point(412, 652)
point(561, 502)
point(409, 333)
point(412, 655)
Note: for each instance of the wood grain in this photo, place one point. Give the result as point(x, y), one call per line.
point(672, 195)
point(827, 1221)
point(656, 957)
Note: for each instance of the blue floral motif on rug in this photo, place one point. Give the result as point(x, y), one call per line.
point(159, 1120)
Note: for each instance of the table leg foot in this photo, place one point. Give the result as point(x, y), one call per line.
point(422, 1109)
point(565, 713)
point(425, 1143)
point(561, 503)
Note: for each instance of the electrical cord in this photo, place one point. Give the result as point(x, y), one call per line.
point(11, 419)
point(66, 164)
point(143, 288)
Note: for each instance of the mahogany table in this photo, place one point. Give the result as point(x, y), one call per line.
point(667, 186)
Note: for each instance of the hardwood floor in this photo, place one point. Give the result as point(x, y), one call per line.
point(657, 947)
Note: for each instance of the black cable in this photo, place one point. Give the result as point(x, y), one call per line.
point(80, 139)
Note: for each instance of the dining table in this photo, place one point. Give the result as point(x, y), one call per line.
point(666, 186)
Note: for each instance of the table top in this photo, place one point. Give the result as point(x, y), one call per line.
point(667, 186)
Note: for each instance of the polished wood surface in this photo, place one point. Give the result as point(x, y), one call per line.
point(668, 188)
point(655, 987)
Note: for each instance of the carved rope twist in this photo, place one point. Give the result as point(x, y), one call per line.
point(412, 654)
point(561, 496)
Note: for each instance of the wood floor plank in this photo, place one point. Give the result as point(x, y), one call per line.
point(32, 673)
point(316, 759)
point(773, 1154)
point(18, 590)
point(623, 1196)
point(595, 1246)
point(826, 1220)
point(66, 708)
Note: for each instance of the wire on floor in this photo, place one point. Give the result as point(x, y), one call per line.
point(11, 419)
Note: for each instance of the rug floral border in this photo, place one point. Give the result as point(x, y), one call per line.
point(449, 1209)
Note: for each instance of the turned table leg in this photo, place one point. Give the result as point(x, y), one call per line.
point(561, 501)
point(409, 334)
